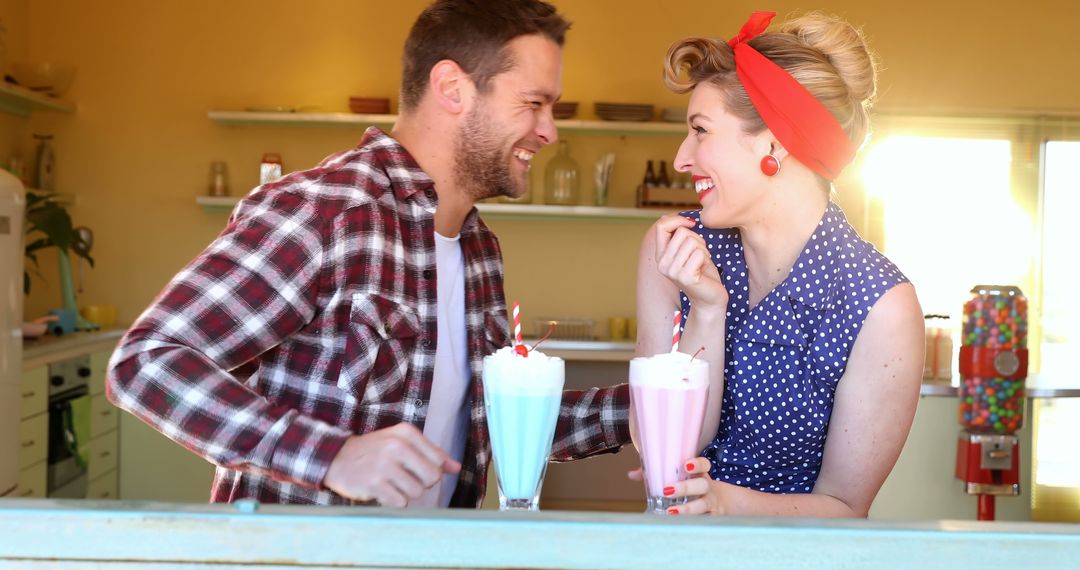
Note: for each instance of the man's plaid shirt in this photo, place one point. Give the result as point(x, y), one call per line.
point(312, 318)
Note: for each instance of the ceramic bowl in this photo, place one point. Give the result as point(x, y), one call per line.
point(44, 77)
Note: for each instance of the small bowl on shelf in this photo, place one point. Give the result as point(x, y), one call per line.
point(44, 77)
point(369, 105)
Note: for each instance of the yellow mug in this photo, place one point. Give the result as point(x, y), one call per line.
point(617, 328)
point(631, 328)
point(103, 315)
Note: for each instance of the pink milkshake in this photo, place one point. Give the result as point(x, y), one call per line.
point(669, 393)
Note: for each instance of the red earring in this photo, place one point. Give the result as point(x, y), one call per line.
point(770, 165)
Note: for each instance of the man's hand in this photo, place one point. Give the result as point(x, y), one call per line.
point(391, 466)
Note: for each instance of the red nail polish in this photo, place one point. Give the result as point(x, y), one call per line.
point(669, 491)
point(690, 466)
point(672, 511)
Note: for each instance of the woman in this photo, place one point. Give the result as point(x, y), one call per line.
point(821, 355)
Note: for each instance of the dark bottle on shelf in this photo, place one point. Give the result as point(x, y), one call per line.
point(650, 176)
point(662, 179)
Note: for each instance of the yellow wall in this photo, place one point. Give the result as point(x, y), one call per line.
point(13, 19)
point(138, 149)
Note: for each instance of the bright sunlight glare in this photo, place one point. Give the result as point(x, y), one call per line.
point(950, 220)
point(1058, 464)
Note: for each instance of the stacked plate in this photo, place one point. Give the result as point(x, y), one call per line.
point(565, 109)
point(624, 111)
point(369, 105)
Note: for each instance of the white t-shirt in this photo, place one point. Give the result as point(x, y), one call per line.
point(448, 410)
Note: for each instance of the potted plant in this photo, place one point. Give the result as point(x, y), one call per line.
point(48, 224)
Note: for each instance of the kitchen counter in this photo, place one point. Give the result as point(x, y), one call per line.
point(1033, 388)
point(49, 348)
point(623, 351)
point(45, 533)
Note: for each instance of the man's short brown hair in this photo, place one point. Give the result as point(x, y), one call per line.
point(473, 34)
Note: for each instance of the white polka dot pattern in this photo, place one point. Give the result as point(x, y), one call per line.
point(785, 357)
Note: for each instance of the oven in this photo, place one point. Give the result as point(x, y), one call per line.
point(69, 427)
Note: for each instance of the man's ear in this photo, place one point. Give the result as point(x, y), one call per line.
point(450, 86)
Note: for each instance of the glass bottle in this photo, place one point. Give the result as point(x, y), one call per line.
point(650, 176)
point(662, 178)
point(219, 183)
point(561, 178)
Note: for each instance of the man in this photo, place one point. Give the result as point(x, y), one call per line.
point(326, 348)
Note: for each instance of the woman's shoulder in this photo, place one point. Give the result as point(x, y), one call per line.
point(864, 262)
point(858, 259)
point(863, 277)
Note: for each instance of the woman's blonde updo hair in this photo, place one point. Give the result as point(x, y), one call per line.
point(825, 54)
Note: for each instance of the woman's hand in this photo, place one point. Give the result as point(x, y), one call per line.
point(682, 257)
point(707, 497)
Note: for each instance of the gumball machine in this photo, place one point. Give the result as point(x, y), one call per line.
point(993, 368)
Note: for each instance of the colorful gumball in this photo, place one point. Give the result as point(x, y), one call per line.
point(993, 359)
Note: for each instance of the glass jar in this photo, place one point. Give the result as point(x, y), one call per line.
point(219, 182)
point(561, 178)
point(993, 359)
point(937, 365)
point(270, 168)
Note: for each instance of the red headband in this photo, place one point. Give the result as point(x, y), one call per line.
point(799, 121)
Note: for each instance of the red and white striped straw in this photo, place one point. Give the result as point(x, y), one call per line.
point(517, 324)
point(675, 330)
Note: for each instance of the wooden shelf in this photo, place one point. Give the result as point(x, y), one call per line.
point(21, 101)
point(504, 211)
point(217, 203)
point(253, 118)
point(551, 212)
point(613, 128)
point(618, 128)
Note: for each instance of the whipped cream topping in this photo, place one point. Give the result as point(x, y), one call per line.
point(671, 370)
point(506, 370)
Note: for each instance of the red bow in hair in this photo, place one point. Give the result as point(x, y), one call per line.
point(808, 131)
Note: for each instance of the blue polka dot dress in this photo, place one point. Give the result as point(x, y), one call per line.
point(785, 357)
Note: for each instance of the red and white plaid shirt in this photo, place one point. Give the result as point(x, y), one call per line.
point(312, 318)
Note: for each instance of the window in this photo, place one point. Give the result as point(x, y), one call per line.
point(962, 203)
point(949, 217)
point(1058, 466)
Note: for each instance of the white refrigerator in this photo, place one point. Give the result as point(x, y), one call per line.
point(12, 208)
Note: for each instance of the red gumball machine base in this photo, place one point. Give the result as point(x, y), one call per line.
point(989, 466)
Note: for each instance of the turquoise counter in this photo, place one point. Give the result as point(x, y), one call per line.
point(87, 534)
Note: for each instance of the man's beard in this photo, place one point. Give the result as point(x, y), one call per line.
point(481, 170)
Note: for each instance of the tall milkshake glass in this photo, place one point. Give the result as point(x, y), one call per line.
point(522, 395)
point(669, 393)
